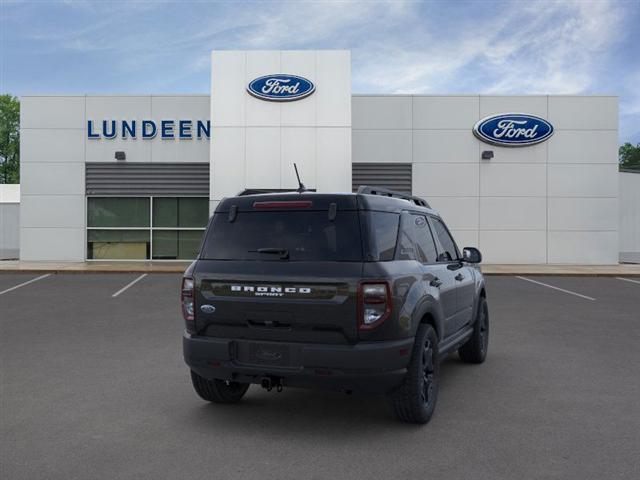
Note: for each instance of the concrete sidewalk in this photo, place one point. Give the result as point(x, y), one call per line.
point(15, 266)
point(620, 270)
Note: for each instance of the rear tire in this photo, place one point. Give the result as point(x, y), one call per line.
point(475, 350)
point(415, 400)
point(218, 391)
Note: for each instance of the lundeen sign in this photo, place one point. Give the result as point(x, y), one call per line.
point(148, 129)
point(281, 87)
point(513, 129)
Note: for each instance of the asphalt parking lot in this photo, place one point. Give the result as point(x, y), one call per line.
point(93, 387)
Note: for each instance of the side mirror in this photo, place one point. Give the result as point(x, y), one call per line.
point(471, 255)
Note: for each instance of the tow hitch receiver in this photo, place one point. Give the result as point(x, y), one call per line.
point(269, 383)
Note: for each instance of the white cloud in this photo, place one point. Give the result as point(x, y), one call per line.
point(398, 46)
point(561, 58)
point(537, 48)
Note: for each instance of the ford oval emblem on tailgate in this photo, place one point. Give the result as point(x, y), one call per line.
point(208, 308)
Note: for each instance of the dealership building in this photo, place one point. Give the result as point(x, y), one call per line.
point(135, 177)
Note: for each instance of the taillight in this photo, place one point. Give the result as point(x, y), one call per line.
point(186, 299)
point(374, 302)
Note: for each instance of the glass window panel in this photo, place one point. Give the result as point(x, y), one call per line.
point(189, 244)
point(165, 244)
point(193, 212)
point(176, 245)
point(165, 212)
point(118, 244)
point(118, 212)
point(185, 212)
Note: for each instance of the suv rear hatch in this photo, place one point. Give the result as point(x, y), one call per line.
point(281, 267)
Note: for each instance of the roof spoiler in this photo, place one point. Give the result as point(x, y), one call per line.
point(384, 192)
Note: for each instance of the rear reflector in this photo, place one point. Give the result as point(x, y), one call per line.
point(284, 204)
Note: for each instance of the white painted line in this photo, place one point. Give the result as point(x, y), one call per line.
point(557, 288)
point(25, 283)
point(130, 284)
point(628, 280)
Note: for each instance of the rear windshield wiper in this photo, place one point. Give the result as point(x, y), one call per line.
point(283, 252)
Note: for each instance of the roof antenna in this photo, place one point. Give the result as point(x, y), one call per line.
point(301, 187)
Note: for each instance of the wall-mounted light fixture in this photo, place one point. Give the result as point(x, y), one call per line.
point(487, 155)
point(121, 156)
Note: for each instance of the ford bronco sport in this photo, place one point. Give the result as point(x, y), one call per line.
point(364, 292)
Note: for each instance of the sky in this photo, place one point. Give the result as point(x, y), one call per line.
point(443, 47)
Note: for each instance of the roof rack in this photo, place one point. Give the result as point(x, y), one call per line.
point(385, 192)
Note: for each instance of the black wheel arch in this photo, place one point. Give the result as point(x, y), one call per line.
point(482, 295)
point(430, 314)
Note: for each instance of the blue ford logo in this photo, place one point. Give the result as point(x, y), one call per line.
point(513, 129)
point(281, 87)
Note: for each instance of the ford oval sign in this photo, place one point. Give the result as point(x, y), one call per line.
point(513, 129)
point(281, 87)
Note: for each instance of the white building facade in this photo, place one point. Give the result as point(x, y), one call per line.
point(9, 221)
point(135, 177)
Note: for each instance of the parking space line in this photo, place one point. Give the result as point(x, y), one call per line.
point(628, 280)
point(25, 283)
point(556, 288)
point(130, 284)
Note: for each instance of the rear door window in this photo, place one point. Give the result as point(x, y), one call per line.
point(448, 250)
point(425, 244)
point(407, 239)
point(415, 241)
point(304, 235)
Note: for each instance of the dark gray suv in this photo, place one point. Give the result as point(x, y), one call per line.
point(364, 292)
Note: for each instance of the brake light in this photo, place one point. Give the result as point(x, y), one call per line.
point(375, 304)
point(187, 301)
point(283, 204)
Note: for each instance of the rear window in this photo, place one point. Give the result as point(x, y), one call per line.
point(304, 235)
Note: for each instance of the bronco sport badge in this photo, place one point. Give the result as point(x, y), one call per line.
point(270, 291)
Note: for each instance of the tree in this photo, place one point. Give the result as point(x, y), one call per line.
point(629, 156)
point(9, 139)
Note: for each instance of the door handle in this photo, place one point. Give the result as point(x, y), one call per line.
point(459, 277)
point(435, 282)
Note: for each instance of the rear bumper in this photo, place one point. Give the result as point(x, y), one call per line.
point(370, 367)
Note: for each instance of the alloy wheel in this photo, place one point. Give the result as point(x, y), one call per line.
point(428, 373)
